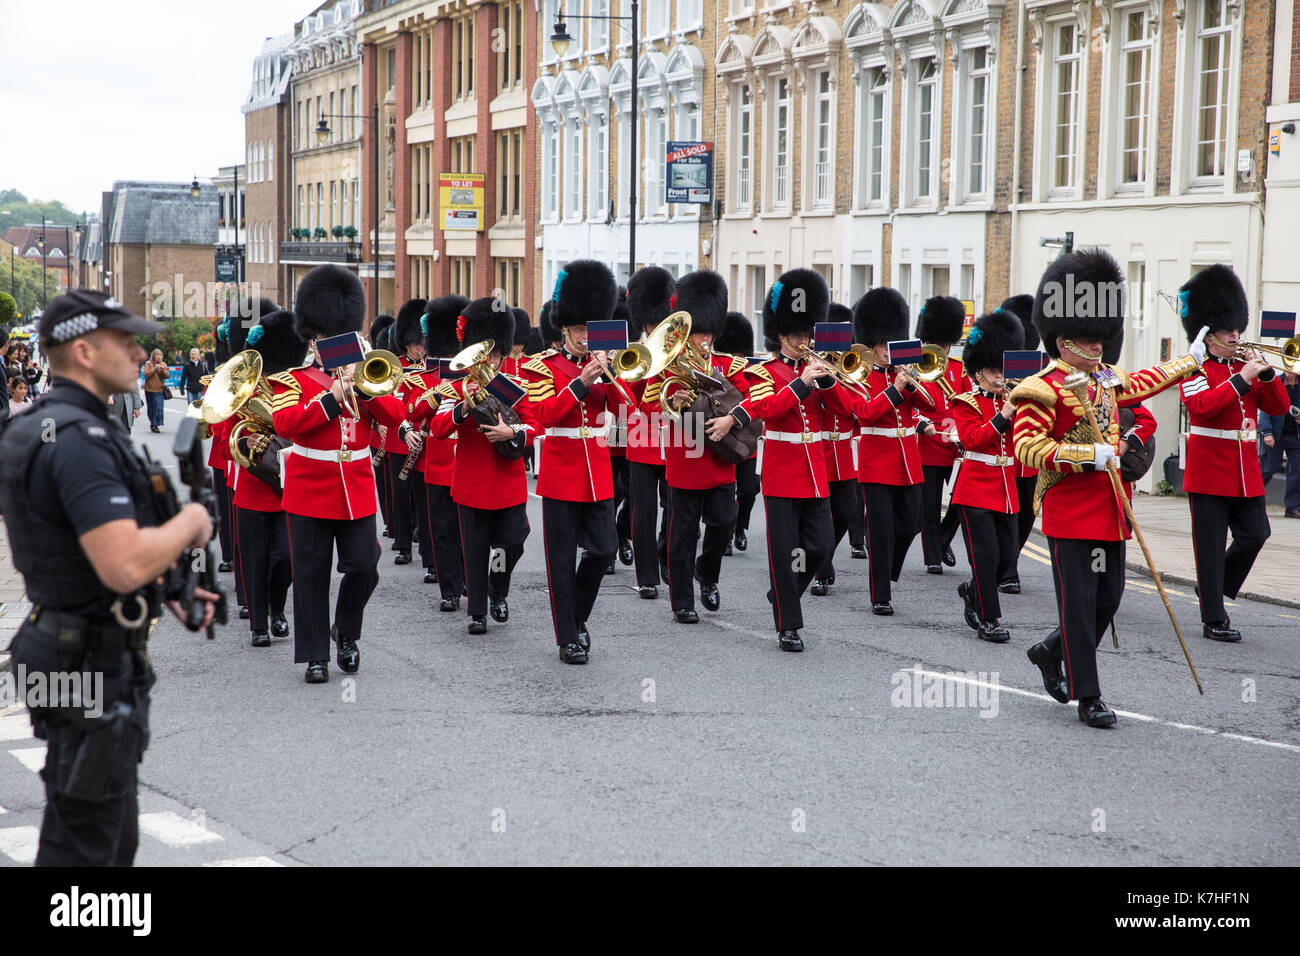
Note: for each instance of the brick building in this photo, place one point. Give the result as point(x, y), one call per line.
point(256, 212)
point(450, 80)
point(59, 256)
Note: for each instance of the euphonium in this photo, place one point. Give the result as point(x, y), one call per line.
point(237, 388)
point(641, 360)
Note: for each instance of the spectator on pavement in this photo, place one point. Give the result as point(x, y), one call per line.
point(125, 407)
point(1282, 437)
point(5, 343)
point(192, 374)
point(18, 400)
point(155, 381)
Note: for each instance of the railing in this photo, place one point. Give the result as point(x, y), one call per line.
point(320, 251)
point(742, 199)
point(781, 192)
point(821, 184)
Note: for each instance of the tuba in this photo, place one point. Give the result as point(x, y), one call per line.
point(238, 389)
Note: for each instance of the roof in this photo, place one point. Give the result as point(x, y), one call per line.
point(163, 214)
point(58, 238)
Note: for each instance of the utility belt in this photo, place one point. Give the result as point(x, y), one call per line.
point(79, 634)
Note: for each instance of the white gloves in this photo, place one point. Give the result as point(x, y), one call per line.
point(1197, 349)
point(1102, 455)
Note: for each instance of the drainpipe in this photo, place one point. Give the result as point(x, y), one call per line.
point(1021, 67)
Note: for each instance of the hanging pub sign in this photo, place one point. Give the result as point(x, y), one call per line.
point(690, 172)
point(460, 198)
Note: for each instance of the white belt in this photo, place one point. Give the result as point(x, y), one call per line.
point(586, 431)
point(890, 432)
point(1243, 434)
point(1000, 461)
point(797, 438)
point(331, 454)
point(836, 436)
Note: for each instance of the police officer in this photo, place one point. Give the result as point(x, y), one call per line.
point(71, 480)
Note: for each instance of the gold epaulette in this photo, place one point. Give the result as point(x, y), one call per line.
point(969, 398)
point(1035, 389)
point(760, 372)
point(737, 365)
point(651, 393)
point(764, 387)
point(540, 367)
point(413, 381)
point(446, 390)
point(287, 398)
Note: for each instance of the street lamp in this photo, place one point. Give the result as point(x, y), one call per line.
point(560, 41)
point(40, 244)
point(195, 191)
point(76, 246)
point(322, 137)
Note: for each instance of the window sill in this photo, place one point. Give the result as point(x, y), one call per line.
point(873, 209)
point(819, 213)
point(917, 210)
point(971, 205)
point(738, 214)
point(782, 212)
point(1208, 184)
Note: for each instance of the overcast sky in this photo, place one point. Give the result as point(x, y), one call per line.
point(97, 90)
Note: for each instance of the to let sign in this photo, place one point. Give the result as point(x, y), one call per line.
point(690, 172)
point(460, 197)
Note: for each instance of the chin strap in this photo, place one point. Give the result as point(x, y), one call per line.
point(1070, 346)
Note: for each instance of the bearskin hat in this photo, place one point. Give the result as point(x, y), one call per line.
point(1111, 350)
point(379, 329)
point(533, 344)
point(880, 316)
point(703, 294)
point(545, 327)
point(407, 330)
point(483, 319)
point(439, 325)
point(275, 340)
point(796, 303)
point(1079, 297)
point(649, 296)
point(994, 333)
point(522, 325)
point(1213, 297)
point(585, 291)
point(1023, 307)
point(737, 336)
point(330, 301)
point(941, 321)
point(241, 317)
point(839, 313)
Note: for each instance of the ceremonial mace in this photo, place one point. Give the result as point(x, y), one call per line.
point(1077, 382)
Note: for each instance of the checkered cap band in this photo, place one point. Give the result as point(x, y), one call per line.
point(69, 329)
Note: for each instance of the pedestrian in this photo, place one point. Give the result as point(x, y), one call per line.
point(192, 376)
point(125, 407)
point(92, 581)
point(155, 386)
point(18, 400)
point(6, 345)
point(1282, 437)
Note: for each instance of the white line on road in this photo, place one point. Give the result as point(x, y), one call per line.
point(16, 727)
point(246, 861)
point(174, 830)
point(19, 843)
point(3, 810)
point(33, 758)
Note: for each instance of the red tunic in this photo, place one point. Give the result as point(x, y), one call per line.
point(837, 443)
point(689, 463)
point(936, 449)
point(393, 443)
point(437, 460)
point(986, 478)
point(1222, 449)
point(888, 450)
point(645, 429)
point(481, 477)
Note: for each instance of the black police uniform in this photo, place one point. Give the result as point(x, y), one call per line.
point(65, 469)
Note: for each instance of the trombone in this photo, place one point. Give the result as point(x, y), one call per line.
point(930, 369)
point(849, 368)
point(1288, 353)
point(378, 373)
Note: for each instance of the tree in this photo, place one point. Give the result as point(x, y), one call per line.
point(8, 308)
point(26, 286)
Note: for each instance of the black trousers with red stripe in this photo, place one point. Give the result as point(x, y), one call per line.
point(566, 527)
point(991, 549)
point(311, 547)
point(1221, 573)
point(858, 520)
point(381, 486)
point(493, 542)
point(747, 485)
point(225, 516)
point(399, 498)
point(1089, 579)
point(619, 469)
point(420, 504)
point(799, 537)
point(893, 520)
point(444, 531)
point(717, 508)
point(933, 540)
point(1024, 522)
point(844, 501)
point(648, 500)
point(265, 571)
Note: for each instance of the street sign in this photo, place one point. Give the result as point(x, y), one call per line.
point(690, 172)
point(227, 268)
point(460, 198)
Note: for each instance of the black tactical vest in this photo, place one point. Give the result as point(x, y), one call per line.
point(55, 570)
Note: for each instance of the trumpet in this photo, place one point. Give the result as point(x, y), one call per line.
point(1288, 353)
point(849, 368)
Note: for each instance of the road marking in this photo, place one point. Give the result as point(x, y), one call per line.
point(19, 843)
point(16, 727)
point(1037, 548)
point(33, 758)
point(246, 861)
point(1293, 617)
point(174, 830)
point(3, 810)
point(1033, 557)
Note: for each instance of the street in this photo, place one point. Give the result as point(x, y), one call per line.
point(705, 744)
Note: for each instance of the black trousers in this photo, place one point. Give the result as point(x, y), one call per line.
point(933, 542)
point(444, 530)
point(991, 549)
point(493, 543)
point(717, 507)
point(1089, 578)
point(893, 520)
point(420, 504)
point(381, 486)
point(648, 494)
point(844, 501)
point(566, 527)
point(799, 538)
point(311, 544)
point(747, 485)
point(622, 497)
point(265, 571)
point(858, 519)
point(240, 597)
point(1221, 573)
point(224, 518)
point(399, 499)
point(1024, 521)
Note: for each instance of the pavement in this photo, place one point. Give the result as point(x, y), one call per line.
point(901, 740)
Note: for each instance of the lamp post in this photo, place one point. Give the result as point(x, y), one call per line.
point(322, 136)
point(560, 41)
point(40, 244)
point(76, 244)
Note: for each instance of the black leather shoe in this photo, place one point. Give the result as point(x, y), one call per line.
point(610, 569)
point(934, 569)
point(625, 552)
point(499, 610)
point(573, 654)
point(709, 596)
point(727, 552)
point(790, 641)
point(883, 608)
point(686, 615)
point(349, 655)
point(584, 636)
point(225, 567)
point(820, 587)
point(403, 557)
point(394, 547)
point(993, 632)
point(968, 606)
point(1094, 712)
point(477, 625)
point(1010, 587)
point(1291, 513)
point(449, 604)
point(858, 553)
point(261, 639)
point(243, 613)
point(318, 672)
point(648, 592)
point(1053, 671)
point(430, 576)
point(949, 558)
point(1221, 631)
point(742, 541)
point(279, 626)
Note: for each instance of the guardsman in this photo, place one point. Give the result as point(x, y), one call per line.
point(262, 528)
point(649, 297)
point(841, 471)
point(490, 490)
point(512, 363)
point(619, 466)
point(940, 323)
point(577, 409)
point(889, 456)
point(786, 394)
point(329, 484)
point(217, 462)
point(379, 330)
point(737, 338)
point(406, 339)
point(984, 496)
point(1078, 308)
point(1022, 306)
point(1223, 482)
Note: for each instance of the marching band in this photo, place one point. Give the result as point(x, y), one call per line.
point(435, 427)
